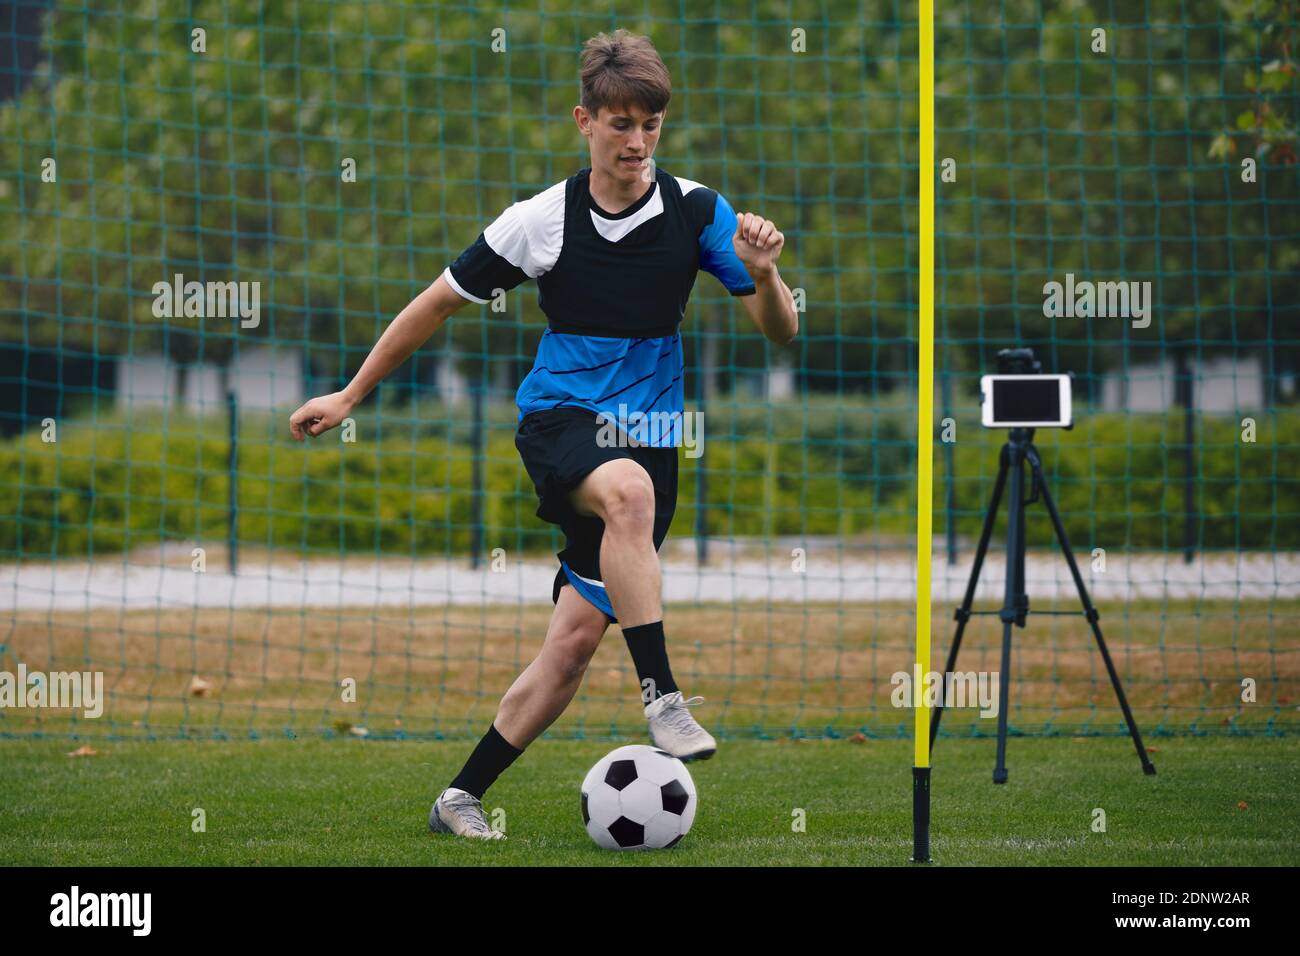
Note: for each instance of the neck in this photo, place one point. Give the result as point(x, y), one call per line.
point(615, 195)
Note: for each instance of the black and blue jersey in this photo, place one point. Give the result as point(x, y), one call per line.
point(613, 288)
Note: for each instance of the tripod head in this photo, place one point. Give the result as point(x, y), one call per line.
point(1018, 362)
point(1021, 397)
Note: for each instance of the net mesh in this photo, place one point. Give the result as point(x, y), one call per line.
point(160, 527)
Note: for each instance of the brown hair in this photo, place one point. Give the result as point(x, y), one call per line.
point(622, 69)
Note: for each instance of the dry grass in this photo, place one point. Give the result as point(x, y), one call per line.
point(767, 670)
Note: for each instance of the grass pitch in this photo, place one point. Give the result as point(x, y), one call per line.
point(1216, 801)
point(766, 670)
point(310, 793)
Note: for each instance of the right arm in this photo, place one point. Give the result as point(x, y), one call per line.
point(406, 333)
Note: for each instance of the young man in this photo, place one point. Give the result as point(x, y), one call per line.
point(615, 250)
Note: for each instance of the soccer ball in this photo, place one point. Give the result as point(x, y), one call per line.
point(638, 798)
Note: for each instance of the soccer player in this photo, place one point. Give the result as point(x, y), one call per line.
point(615, 250)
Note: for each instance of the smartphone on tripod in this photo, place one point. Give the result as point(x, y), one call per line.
point(1025, 401)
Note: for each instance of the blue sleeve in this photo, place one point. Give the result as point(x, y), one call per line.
point(717, 254)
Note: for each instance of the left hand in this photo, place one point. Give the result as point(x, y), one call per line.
point(758, 243)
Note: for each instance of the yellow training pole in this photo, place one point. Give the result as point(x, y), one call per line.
point(924, 443)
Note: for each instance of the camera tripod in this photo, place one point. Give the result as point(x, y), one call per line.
point(1018, 450)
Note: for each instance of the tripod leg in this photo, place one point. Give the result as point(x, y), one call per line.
point(1093, 616)
point(1000, 768)
point(1010, 605)
point(1022, 596)
point(963, 613)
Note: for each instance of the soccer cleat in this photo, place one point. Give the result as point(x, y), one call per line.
point(458, 812)
point(673, 729)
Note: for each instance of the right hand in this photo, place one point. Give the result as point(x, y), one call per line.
point(319, 415)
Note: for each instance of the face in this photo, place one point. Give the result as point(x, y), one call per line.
point(622, 139)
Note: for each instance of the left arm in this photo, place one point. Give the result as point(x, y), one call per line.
point(758, 244)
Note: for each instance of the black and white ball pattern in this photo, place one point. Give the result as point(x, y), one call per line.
point(638, 798)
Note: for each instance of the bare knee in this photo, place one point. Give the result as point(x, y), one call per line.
point(629, 505)
point(621, 494)
point(571, 647)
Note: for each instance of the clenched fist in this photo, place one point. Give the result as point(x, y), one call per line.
point(319, 415)
point(758, 243)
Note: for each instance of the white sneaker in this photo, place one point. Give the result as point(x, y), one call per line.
point(461, 813)
point(672, 728)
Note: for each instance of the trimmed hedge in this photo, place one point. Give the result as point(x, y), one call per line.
point(814, 469)
point(1119, 482)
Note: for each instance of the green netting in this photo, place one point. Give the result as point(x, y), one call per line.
point(159, 526)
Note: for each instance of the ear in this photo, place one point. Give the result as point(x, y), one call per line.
point(583, 119)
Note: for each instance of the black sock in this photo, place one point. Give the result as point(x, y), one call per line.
point(650, 657)
point(488, 761)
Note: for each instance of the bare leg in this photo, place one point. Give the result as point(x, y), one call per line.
point(621, 494)
point(539, 695)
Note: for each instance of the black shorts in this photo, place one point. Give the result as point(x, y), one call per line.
point(559, 449)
